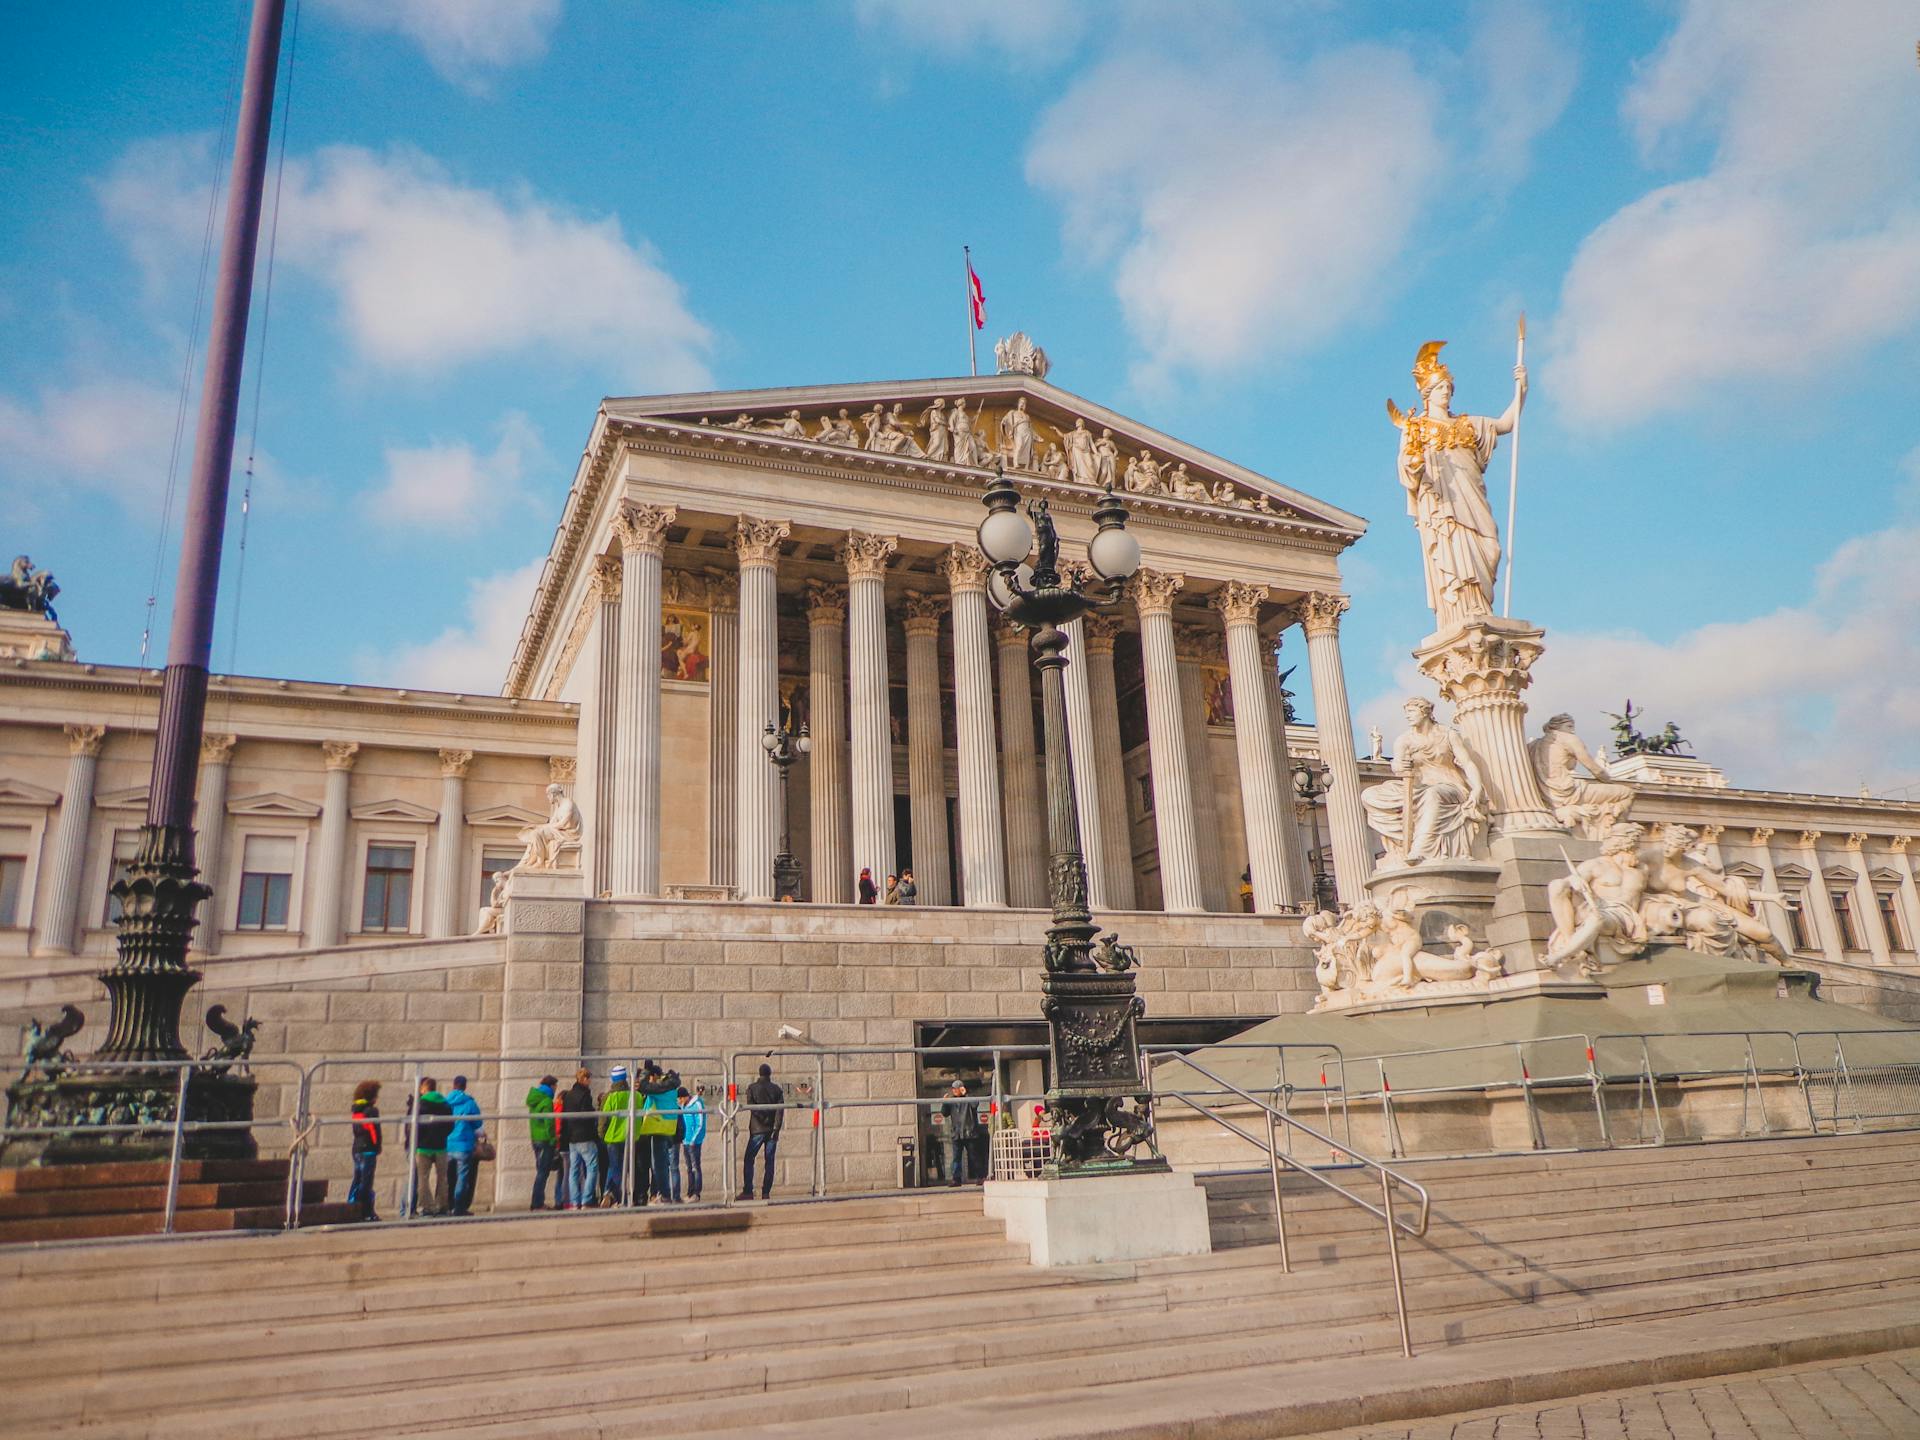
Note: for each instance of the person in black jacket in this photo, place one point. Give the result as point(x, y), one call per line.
point(433, 1123)
point(580, 1133)
point(366, 1146)
point(763, 1131)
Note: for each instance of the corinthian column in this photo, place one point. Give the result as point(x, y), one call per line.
point(1267, 810)
point(1153, 594)
point(1081, 748)
point(757, 838)
point(606, 724)
point(723, 725)
point(325, 917)
point(210, 833)
point(1026, 817)
point(1346, 817)
point(1104, 696)
point(926, 751)
point(443, 917)
point(1299, 875)
point(982, 855)
point(1195, 648)
point(1482, 666)
point(870, 748)
point(61, 932)
point(827, 762)
point(642, 532)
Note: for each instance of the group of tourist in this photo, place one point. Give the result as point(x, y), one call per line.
point(583, 1143)
point(899, 890)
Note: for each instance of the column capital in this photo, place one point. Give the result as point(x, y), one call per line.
point(1075, 572)
point(924, 613)
point(561, 769)
point(1810, 838)
point(826, 604)
point(642, 529)
point(1856, 840)
point(1762, 834)
point(85, 739)
point(340, 754)
point(1010, 634)
point(1152, 591)
point(1712, 833)
point(1238, 602)
point(1101, 631)
point(966, 569)
point(217, 749)
point(1898, 844)
point(723, 598)
point(757, 542)
point(604, 584)
point(454, 763)
point(866, 555)
point(1196, 644)
point(1320, 613)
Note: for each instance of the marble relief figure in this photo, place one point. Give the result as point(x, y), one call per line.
point(939, 441)
point(1082, 464)
point(1435, 805)
point(562, 831)
point(837, 431)
point(1143, 475)
point(1443, 462)
point(1106, 457)
point(1016, 436)
point(1185, 487)
point(1054, 463)
point(966, 439)
point(1592, 806)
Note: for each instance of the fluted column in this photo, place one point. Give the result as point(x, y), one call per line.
point(61, 932)
point(983, 860)
point(1083, 752)
point(1826, 927)
point(870, 737)
point(1770, 881)
point(1194, 648)
point(757, 816)
point(1104, 696)
point(1265, 808)
point(927, 752)
point(1020, 772)
point(1333, 724)
point(1873, 926)
point(723, 725)
point(1153, 594)
point(210, 835)
point(450, 843)
point(1909, 895)
point(1299, 875)
point(326, 915)
point(606, 724)
point(642, 533)
point(827, 762)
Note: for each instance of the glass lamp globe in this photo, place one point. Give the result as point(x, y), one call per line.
point(1113, 553)
point(1005, 537)
point(805, 743)
point(769, 741)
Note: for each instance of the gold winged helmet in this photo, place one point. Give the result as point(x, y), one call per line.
point(1428, 368)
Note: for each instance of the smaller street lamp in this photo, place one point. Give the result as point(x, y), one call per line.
point(1311, 781)
point(783, 748)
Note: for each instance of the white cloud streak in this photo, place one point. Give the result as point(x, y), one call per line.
point(470, 657)
point(466, 41)
point(450, 485)
point(1028, 34)
point(109, 437)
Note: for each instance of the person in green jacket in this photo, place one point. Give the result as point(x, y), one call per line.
point(545, 1156)
point(613, 1130)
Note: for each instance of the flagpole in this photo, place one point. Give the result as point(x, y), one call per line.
point(966, 259)
point(1513, 482)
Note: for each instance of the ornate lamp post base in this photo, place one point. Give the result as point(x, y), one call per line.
point(1094, 1059)
point(82, 1101)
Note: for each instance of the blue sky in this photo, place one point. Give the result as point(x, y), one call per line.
point(1236, 222)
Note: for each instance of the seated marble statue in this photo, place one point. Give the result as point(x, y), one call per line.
point(1596, 906)
point(1692, 901)
point(1434, 809)
point(493, 914)
point(1591, 807)
point(562, 831)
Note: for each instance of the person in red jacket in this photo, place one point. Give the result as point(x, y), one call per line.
point(366, 1146)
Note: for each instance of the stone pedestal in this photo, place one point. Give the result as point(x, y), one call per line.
point(1440, 893)
point(1093, 1219)
point(1481, 667)
point(1528, 863)
point(28, 635)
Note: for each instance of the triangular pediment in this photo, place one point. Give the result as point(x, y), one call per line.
point(134, 797)
point(859, 423)
point(505, 815)
point(19, 792)
point(1881, 875)
point(395, 810)
point(1796, 874)
point(271, 802)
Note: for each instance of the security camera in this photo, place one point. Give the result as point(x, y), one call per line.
point(793, 1032)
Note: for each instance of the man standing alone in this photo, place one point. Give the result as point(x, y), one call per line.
point(763, 1131)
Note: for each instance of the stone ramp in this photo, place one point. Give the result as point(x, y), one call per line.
point(838, 1318)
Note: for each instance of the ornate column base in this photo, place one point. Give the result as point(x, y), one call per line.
point(1481, 667)
point(1095, 1060)
point(81, 1101)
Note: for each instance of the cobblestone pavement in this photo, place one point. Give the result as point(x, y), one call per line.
point(1876, 1398)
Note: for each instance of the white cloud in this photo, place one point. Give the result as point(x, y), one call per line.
point(463, 40)
point(107, 436)
point(1798, 246)
point(426, 272)
point(471, 657)
point(1523, 68)
point(1027, 33)
point(450, 484)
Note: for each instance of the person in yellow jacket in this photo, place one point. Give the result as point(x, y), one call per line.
point(615, 1106)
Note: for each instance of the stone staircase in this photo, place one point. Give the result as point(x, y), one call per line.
point(833, 1319)
point(129, 1197)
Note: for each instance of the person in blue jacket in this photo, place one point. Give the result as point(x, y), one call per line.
point(461, 1145)
point(693, 1114)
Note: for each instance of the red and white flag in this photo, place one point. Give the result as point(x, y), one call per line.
point(976, 296)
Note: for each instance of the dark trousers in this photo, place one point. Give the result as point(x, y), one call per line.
point(546, 1162)
point(692, 1154)
point(361, 1191)
point(666, 1168)
point(959, 1160)
point(760, 1145)
point(645, 1180)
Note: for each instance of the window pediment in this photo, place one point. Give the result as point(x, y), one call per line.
point(515, 815)
point(273, 803)
point(19, 792)
point(396, 809)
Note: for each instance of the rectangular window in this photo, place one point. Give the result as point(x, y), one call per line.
point(1797, 921)
point(1890, 917)
point(1843, 917)
point(389, 895)
point(125, 844)
point(266, 882)
point(13, 884)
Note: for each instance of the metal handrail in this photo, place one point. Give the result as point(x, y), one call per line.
point(1275, 1158)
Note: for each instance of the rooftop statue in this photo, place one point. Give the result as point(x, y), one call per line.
point(1443, 468)
point(1018, 355)
point(1627, 739)
point(25, 588)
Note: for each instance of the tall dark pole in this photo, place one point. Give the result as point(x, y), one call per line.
point(161, 890)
